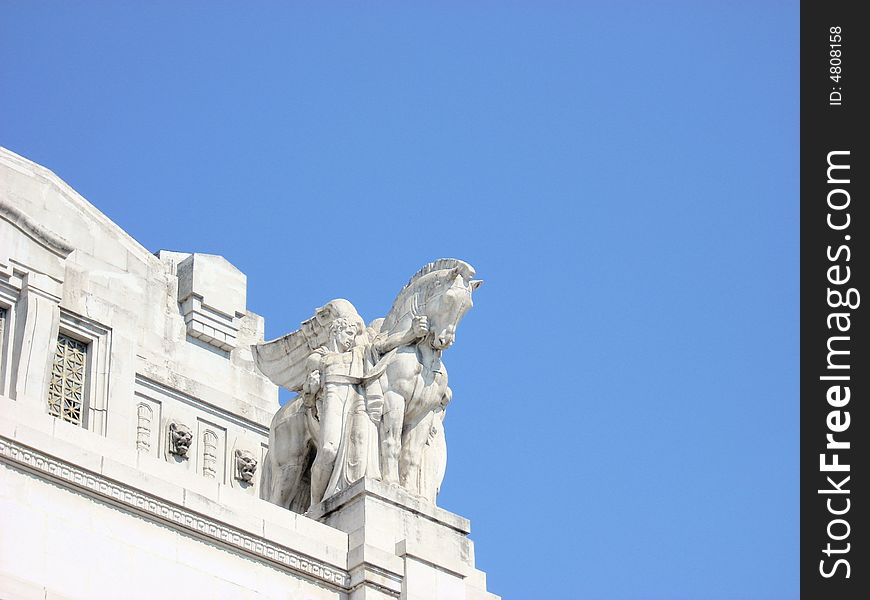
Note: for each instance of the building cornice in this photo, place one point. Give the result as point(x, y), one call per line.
point(170, 514)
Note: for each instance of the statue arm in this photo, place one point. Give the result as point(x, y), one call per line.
point(445, 400)
point(418, 330)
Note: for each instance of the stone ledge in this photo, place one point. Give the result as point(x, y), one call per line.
point(36, 443)
point(390, 494)
point(169, 513)
point(20, 589)
point(433, 558)
point(152, 383)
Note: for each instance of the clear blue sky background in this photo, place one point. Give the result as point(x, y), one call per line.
point(624, 176)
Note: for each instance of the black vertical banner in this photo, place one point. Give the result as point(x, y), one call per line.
point(835, 300)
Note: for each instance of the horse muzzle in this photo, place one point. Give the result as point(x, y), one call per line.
point(445, 339)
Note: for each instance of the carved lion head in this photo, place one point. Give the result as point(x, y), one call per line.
point(246, 466)
point(180, 438)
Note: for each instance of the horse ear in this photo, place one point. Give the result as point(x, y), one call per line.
point(475, 283)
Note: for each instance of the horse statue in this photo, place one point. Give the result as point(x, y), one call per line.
point(413, 451)
point(393, 391)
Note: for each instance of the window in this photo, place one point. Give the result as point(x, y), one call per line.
point(68, 387)
point(78, 390)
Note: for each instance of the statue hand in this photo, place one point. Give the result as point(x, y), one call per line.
point(420, 326)
point(375, 408)
point(448, 396)
point(312, 384)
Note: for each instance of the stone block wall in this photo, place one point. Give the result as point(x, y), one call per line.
point(138, 341)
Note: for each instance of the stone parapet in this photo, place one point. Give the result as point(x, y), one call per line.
point(83, 464)
point(400, 545)
point(372, 541)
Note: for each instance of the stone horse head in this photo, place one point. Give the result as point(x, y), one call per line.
point(440, 291)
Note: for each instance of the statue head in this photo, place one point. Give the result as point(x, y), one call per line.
point(180, 438)
point(246, 466)
point(342, 334)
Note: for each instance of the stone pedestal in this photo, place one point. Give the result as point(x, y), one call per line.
point(400, 546)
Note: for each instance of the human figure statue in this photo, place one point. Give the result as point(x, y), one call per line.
point(341, 400)
point(336, 371)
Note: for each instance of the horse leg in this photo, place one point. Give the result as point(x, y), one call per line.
point(414, 439)
point(287, 458)
point(434, 458)
point(391, 435)
point(293, 493)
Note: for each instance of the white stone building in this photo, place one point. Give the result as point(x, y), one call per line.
point(105, 350)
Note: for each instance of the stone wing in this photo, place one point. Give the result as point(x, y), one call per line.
point(283, 360)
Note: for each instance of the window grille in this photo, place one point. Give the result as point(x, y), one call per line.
point(66, 390)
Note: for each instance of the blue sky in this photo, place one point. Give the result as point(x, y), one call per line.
point(623, 175)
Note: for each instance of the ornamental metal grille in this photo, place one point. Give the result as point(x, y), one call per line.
point(66, 390)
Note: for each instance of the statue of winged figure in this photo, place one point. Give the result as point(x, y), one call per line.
point(370, 399)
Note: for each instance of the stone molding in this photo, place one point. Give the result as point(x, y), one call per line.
point(393, 495)
point(47, 239)
point(88, 211)
point(211, 312)
point(208, 325)
point(167, 513)
point(152, 389)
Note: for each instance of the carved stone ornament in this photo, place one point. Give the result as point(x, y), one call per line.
point(180, 437)
point(143, 427)
point(371, 399)
point(246, 466)
point(209, 454)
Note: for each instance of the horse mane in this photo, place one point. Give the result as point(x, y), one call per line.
point(442, 264)
point(465, 269)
